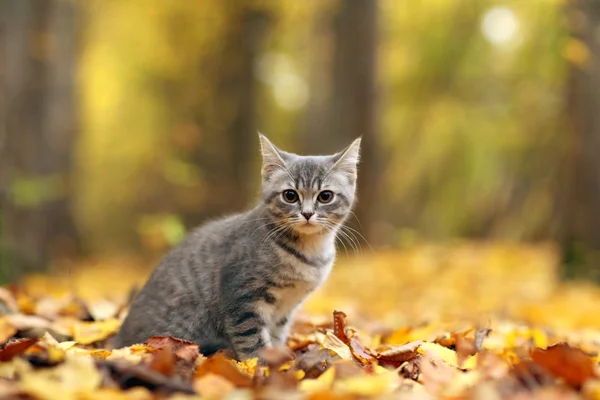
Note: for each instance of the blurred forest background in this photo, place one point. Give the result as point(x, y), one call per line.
point(123, 123)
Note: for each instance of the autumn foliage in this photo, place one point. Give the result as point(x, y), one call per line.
point(57, 344)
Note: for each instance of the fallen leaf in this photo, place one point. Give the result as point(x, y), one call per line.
point(43, 354)
point(213, 386)
point(369, 385)
point(23, 322)
point(360, 352)
point(565, 362)
point(333, 343)
point(397, 355)
point(464, 349)
point(63, 382)
point(164, 361)
point(219, 365)
point(447, 355)
point(323, 382)
point(315, 360)
point(183, 349)
point(15, 348)
point(339, 326)
point(92, 332)
point(480, 335)
point(7, 330)
point(128, 375)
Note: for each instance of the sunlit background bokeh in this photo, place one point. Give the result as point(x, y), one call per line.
point(124, 123)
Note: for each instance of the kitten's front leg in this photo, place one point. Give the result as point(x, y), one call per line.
point(280, 331)
point(248, 333)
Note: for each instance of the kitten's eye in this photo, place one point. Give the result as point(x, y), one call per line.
point(325, 196)
point(290, 196)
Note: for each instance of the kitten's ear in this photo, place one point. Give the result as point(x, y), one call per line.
point(347, 160)
point(271, 155)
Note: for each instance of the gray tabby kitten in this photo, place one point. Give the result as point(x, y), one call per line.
point(235, 283)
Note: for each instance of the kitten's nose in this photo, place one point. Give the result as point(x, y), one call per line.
point(307, 215)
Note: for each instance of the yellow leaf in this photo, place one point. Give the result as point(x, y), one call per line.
point(248, 366)
point(63, 382)
point(66, 345)
point(369, 385)
point(334, 344)
point(540, 339)
point(323, 382)
point(91, 332)
point(447, 355)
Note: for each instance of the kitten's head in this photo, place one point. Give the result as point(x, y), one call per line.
point(310, 194)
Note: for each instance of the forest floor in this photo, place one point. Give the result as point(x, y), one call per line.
point(457, 321)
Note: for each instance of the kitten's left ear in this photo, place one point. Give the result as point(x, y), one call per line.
point(348, 159)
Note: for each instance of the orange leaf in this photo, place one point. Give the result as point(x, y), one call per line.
point(164, 361)
point(563, 361)
point(219, 365)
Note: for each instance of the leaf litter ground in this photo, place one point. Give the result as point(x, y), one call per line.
point(462, 321)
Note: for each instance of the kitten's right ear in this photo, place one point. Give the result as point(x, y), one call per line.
point(272, 157)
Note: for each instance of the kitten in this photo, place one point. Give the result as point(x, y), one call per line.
point(235, 283)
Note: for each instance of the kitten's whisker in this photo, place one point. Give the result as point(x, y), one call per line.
point(352, 240)
point(335, 228)
point(361, 235)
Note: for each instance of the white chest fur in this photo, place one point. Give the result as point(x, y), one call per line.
point(304, 278)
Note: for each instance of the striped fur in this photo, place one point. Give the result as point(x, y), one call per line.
point(235, 283)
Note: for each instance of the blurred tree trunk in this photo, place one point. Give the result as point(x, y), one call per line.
point(579, 197)
point(37, 129)
point(354, 101)
point(232, 135)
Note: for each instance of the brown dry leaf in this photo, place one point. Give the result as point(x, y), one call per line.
point(15, 348)
point(566, 362)
point(92, 332)
point(315, 360)
point(339, 326)
point(360, 352)
point(183, 349)
point(219, 365)
point(399, 354)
